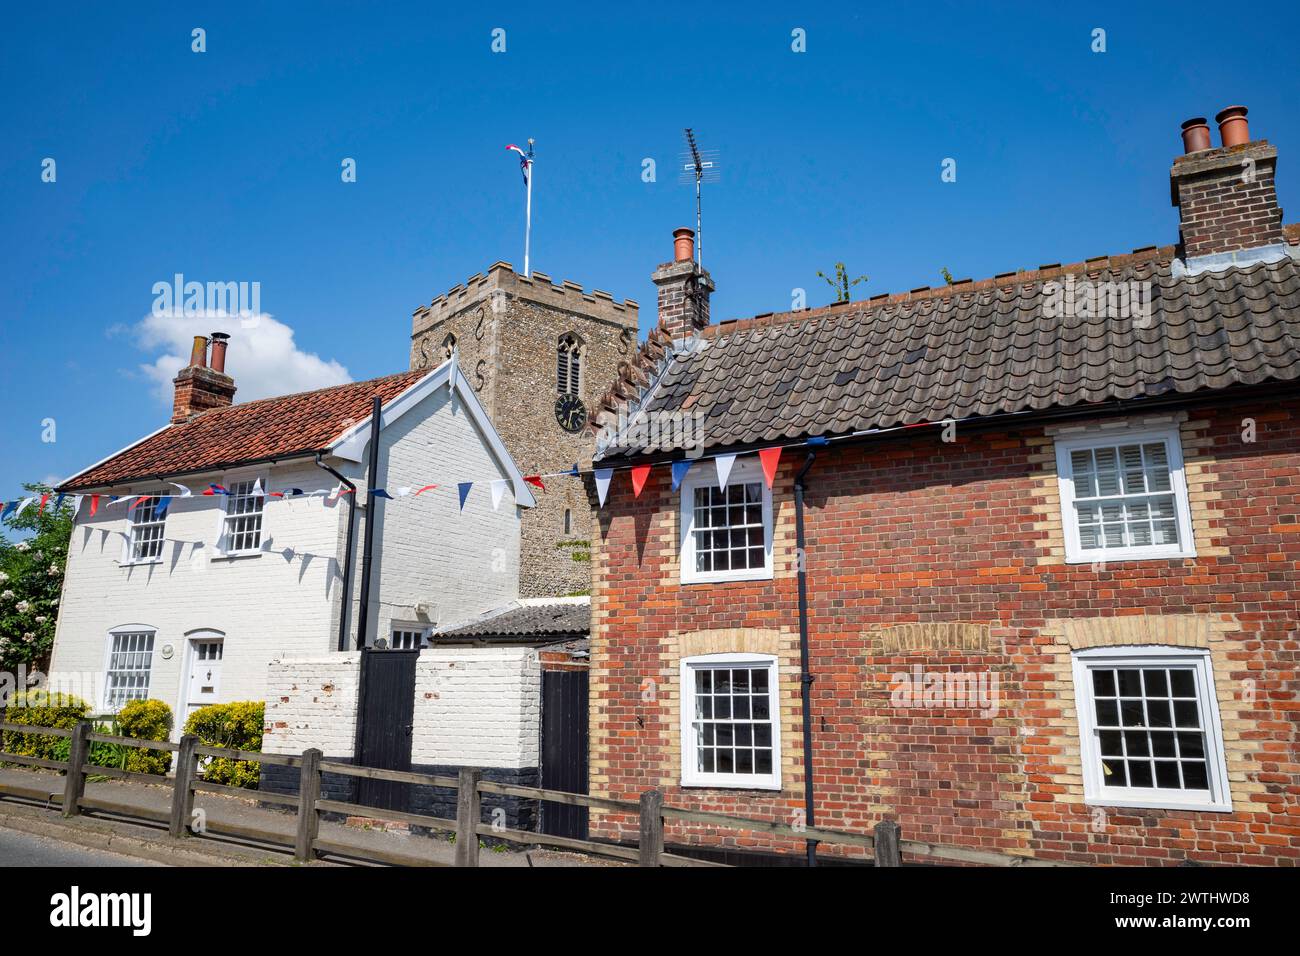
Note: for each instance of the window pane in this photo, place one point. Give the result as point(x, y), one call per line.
point(1195, 776)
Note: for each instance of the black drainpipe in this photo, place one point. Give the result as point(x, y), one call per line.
point(805, 675)
point(350, 553)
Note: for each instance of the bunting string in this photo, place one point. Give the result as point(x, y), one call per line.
point(769, 458)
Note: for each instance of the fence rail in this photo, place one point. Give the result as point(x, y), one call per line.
point(884, 842)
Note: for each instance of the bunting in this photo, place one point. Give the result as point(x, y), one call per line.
point(639, 475)
point(680, 468)
point(463, 488)
point(769, 457)
point(44, 498)
point(535, 480)
point(380, 493)
point(185, 492)
point(498, 491)
point(164, 502)
point(603, 477)
point(723, 465)
point(94, 504)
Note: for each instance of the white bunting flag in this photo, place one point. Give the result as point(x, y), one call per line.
point(723, 464)
point(22, 507)
point(603, 476)
point(185, 492)
point(76, 506)
point(258, 491)
point(498, 490)
point(403, 492)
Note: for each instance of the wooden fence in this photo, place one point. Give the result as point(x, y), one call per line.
point(885, 842)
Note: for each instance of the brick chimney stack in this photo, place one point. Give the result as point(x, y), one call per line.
point(199, 388)
point(684, 288)
point(1226, 198)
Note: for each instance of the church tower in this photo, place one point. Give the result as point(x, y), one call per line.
point(539, 356)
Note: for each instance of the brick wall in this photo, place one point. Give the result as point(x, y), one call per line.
point(1227, 199)
point(945, 556)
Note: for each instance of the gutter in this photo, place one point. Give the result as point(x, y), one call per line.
point(805, 676)
point(350, 553)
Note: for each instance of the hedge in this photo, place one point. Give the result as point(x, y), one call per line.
point(235, 726)
point(142, 720)
point(39, 708)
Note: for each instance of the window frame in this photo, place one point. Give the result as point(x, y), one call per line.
point(413, 627)
point(1170, 436)
point(743, 472)
point(222, 550)
point(132, 526)
point(690, 777)
point(1095, 793)
point(126, 630)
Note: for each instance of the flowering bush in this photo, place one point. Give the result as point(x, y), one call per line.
point(31, 575)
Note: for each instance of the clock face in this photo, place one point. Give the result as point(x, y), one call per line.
point(570, 413)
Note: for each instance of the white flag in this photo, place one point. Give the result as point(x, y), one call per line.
point(603, 476)
point(403, 491)
point(723, 463)
point(21, 507)
point(185, 492)
point(76, 506)
point(498, 490)
point(258, 491)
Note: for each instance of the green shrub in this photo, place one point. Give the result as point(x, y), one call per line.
point(142, 720)
point(39, 708)
point(235, 726)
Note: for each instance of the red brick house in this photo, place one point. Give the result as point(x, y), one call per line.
point(1050, 536)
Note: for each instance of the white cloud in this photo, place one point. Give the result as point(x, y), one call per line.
point(262, 356)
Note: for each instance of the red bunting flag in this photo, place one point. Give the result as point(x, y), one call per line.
point(44, 498)
point(639, 475)
point(416, 494)
point(769, 457)
point(94, 504)
point(138, 501)
point(535, 480)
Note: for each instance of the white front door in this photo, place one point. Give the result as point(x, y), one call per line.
point(205, 673)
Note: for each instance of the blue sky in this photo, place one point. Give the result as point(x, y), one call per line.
point(225, 165)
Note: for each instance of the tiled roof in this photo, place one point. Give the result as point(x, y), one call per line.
point(254, 431)
point(979, 349)
point(530, 619)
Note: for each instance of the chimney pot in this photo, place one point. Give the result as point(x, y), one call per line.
point(199, 353)
point(683, 244)
point(1196, 135)
point(1233, 127)
point(219, 351)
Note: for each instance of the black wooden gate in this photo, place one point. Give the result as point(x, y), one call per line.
point(564, 750)
point(385, 714)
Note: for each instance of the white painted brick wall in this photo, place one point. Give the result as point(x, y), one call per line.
point(474, 706)
point(477, 707)
point(267, 606)
point(312, 702)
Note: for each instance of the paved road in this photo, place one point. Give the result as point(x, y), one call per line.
point(24, 849)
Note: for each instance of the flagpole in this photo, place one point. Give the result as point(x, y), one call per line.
point(528, 213)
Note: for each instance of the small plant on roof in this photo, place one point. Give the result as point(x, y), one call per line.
point(841, 283)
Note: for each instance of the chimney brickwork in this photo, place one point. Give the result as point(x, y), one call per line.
point(1226, 197)
point(684, 289)
point(199, 388)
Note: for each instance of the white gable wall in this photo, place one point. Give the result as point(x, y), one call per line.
point(459, 563)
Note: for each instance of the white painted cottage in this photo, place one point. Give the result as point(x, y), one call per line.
point(187, 598)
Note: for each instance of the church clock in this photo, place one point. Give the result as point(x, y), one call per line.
point(570, 413)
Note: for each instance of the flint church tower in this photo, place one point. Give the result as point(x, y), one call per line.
point(539, 356)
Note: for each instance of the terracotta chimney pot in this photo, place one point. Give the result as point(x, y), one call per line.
point(1233, 128)
point(683, 244)
point(1196, 135)
point(199, 354)
point(219, 351)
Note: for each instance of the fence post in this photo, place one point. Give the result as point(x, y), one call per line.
point(308, 817)
point(888, 833)
point(74, 787)
point(652, 828)
point(469, 811)
point(183, 787)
